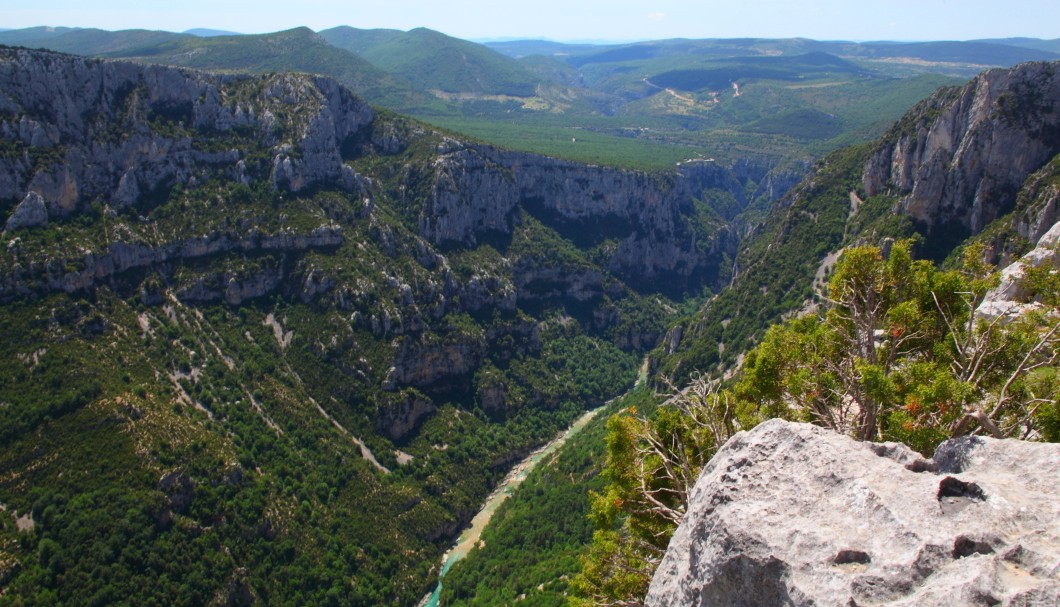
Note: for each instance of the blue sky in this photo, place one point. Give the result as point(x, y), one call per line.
point(616, 20)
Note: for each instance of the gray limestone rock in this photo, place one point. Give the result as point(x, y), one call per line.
point(104, 126)
point(29, 213)
point(793, 514)
point(961, 160)
point(1010, 298)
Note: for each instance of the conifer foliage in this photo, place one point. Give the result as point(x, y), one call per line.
point(899, 352)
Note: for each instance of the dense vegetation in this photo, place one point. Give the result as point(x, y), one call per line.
point(530, 550)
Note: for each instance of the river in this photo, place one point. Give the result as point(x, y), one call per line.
point(470, 537)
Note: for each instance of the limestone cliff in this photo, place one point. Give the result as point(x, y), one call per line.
point(82, 130)
point(958, 159)
point(85, 135)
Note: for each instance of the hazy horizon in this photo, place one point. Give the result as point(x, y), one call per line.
point(572, 21)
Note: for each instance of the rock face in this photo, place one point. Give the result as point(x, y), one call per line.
point(960, 157)
point(1010, 297)
point(122, 136)
point(118, 131)
point(478, 191)
point(29, 213)
point(792, 514)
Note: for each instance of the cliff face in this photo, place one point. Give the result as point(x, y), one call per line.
point(791, 514)
point(958, 159)
point(82, 130)
point(122, 136)
point(478, 192)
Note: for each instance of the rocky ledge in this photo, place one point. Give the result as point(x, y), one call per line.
point(792, 514)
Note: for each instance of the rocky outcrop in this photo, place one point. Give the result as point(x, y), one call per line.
point(29, 213)
point(792, 514)
point(477, 192)
point(113, 131)
point(960, 157)
point(423, 365)
point(1041, 192)
point(401, 412)
point(1011, 298)
point(541, 283)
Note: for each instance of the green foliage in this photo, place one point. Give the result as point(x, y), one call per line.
point(531, 545)
point(655, 452)
point(899, 355)
point(801, 124)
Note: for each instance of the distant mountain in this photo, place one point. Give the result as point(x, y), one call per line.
point(204, 32)
point(1052, 46)
point(976, 53)
point(88, 41)
point(525, 48)
point(437, 61)
point(979, 53)
point(29, 35)
point(298, 50)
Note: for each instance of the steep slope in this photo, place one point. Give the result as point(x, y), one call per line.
point(951, 166)
point(952, 162)
point(265, 344)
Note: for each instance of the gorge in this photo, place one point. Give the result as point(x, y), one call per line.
point(267, 344)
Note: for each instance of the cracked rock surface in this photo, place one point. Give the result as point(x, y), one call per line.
point(793, 514)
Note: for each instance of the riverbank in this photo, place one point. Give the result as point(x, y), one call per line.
point(471, 536)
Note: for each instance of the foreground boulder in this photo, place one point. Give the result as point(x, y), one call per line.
point(792, 514)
